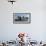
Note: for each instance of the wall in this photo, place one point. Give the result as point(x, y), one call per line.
point(37, 27)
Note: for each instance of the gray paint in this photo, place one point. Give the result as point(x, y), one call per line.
point(37, 28)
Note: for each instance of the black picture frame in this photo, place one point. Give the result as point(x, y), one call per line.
point(21, 18)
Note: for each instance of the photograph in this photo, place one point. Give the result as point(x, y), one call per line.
point(21, 18)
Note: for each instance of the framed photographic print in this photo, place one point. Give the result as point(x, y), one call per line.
point(21, 18)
